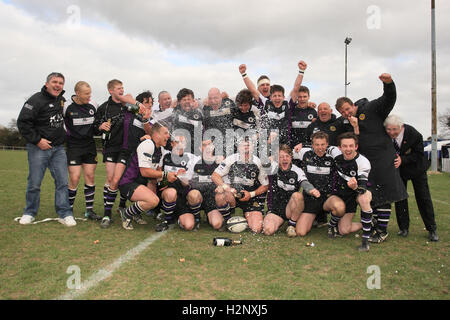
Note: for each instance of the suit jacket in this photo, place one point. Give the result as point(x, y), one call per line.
point(413, 158)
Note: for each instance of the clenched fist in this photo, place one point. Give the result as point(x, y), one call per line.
point(386, 78)
point(302, 65)
point(242, 68)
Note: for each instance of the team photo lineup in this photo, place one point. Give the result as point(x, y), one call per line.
point(269, 151)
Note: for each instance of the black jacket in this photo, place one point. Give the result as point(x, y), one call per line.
point(42, 117)
point(115, 112)
point(413, 158)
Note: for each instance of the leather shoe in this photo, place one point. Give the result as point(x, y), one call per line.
point(403, 233)
point(433, 236)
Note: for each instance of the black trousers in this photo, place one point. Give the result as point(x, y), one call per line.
point(424, 204)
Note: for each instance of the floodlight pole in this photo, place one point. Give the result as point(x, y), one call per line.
point(434, 158)
point(347, 42)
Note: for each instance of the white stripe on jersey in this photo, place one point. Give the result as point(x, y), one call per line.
point(83, 121)
point(276, 116)
point(300, 124)
point(285, 187)
point(220, 112)
point(318, 170)
point(145, 152)
point(241, 124)
point(244, 181)
point(138, 124)
point(195, 123)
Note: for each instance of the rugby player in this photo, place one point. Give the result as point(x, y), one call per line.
point(242, 175)
point(178, 200)
point(144, 164)
point(350, 185)
point(284, 201)
point(319, 168)
point(81, 149)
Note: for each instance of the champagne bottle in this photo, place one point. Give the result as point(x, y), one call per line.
point(133, 108)
point(106, 134)
point(221, 242)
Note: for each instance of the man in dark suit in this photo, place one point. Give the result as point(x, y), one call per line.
point(410, 158)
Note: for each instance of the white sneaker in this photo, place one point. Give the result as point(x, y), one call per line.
point(26, 219)
point(291, 232)
point(68, 221)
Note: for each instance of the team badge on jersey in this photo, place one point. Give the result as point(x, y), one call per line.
point(292, 181)
point(310, 116)
point(362, 116)
point(183, 163)
point(353, 173)
point(196, 116)
point(253, 174)
point(327, 163)
point(91, 112)
point(251, 119)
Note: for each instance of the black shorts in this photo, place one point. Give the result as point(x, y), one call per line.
point(254, 204)
point(278, 206)
point(314, 205)
point(209, 200)
point(349, 199)
point(76, 156)
point(128, 189)
point(182, 205)
point(111, 157)
point(124, 157)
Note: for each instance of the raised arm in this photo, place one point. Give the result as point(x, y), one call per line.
point(248, 82)
point(298, 81)
point(384, 104)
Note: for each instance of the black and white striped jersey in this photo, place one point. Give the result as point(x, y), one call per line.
point(243, 175)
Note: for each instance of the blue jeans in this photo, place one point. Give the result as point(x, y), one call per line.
point(38, 161)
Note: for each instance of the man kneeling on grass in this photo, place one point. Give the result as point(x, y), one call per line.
point(350, 185)
point(145, 164)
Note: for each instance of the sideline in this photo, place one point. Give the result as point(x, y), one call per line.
point(106, 272)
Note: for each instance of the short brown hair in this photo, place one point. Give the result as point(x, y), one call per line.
point(286, 148)
point(304, 89)
point(113, 83)
point(340, 102)
point(320, 135)
point(347, 135)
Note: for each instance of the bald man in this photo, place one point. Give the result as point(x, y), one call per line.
point(326, 122)
point(217, 118)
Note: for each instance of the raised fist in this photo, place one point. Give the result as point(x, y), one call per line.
point(386, 78)
point(302, 65)
point(242, 68)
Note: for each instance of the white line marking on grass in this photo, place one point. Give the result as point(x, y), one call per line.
point(432, 199)
point(106, 272)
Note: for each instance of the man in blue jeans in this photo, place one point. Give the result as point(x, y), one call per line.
point(41, 123)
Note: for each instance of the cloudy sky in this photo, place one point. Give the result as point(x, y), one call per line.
point(167, 45)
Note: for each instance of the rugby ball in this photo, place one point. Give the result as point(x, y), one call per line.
point(237, 224)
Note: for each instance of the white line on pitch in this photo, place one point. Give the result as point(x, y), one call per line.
point(106, 272)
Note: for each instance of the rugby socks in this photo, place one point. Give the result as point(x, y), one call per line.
point(168, 208)
point(123, 201)
point(89, 193)
point(105, 194)
point(334, 221)
point(384, 213)
point(133, 210)
point(292, 223)
point(195, 210)
point(366, 221)
point(72, 196)
point(110, 199)
point(225, 211)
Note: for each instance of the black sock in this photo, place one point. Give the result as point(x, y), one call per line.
point(72, 196)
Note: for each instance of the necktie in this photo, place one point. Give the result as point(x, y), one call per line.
point(396, 146)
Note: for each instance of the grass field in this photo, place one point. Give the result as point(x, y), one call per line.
point(34, 259)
